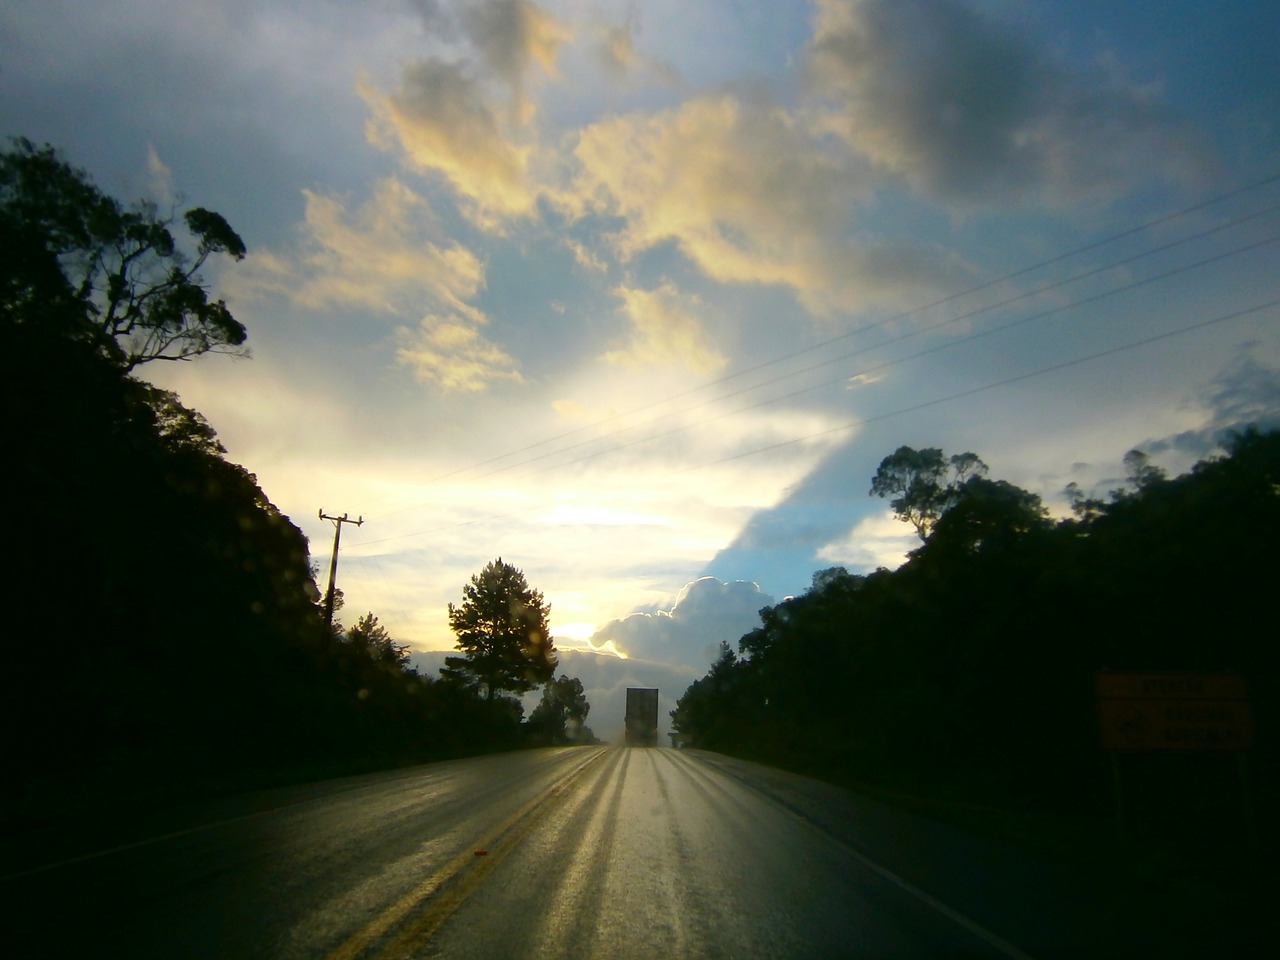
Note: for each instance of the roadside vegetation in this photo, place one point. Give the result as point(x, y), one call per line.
point(962, 683)
point(174, 643)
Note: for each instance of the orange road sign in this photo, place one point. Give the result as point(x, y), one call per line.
point(1115, 685)
point(1174, 711)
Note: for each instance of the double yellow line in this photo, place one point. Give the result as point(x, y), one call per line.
point(393, 933)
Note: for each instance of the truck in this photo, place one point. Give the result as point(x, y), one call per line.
point(642, 716)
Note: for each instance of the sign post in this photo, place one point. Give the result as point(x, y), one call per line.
point(1175, 712)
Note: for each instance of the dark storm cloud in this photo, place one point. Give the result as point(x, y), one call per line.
point(1246, 393)
point(969, 110)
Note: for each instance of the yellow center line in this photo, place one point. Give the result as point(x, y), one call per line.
point(499, 842)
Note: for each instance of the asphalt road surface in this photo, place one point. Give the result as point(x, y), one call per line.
point(577, 852)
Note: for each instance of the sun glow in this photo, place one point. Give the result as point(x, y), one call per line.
point(580, 631)
point(577, 637)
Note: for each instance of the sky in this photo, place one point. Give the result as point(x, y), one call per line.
point(633, 295)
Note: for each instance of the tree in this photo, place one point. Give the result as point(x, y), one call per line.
point(119, 276)
point(1140, 471)
point(503, 632)
point(1085, 508)
point(705, 715)
point(559, 714)
point(570, 693)
point(372, 637)
point(181, 427)
point(922, 484)
point(987, 515)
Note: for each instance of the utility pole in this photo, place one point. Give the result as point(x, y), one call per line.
point(333, 563)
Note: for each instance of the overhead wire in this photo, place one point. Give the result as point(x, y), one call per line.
point(821, 345)
point(937, 348)
point(1021, 321)
point(902, 411)
point(1041, 371)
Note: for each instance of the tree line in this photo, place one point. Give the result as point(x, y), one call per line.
point(969, 671)
point(174, 642)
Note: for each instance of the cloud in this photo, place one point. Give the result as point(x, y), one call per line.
point(616, 50)
point(450, 353)
point(574, 412)
point(665, 329)
point(383, 256)
point(585, 257)
point(750, 193)
point(705, 613)
point(448, 117)
point(583, 645)
point(510, 36)
point(967, 110)
point(1244, 393)
point(863, 380)
point(507, 35)
point(880, 540)
point(159, 178)
point(441, 120)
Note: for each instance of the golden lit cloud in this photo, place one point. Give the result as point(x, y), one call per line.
point(439, 117)
point(586, 257)
point(573, 411)
point(750, 194)
point(380, 256)
point(512, 35)
point(452, 354)
point(451, 117)
point(664, 329)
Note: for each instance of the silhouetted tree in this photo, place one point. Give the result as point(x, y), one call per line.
point(502, 631)
point(921, 484)
point(969, 669)
point(180, 601)
point(986, 514)
point(372, 638)
point(707, 713)
point(559, 714)
point(138, 295)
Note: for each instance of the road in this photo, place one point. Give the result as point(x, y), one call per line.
point(576, 853)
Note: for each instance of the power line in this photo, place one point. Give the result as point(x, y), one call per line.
point(922, 330)
point(1022, 321)
point(902, 411)
point(1053, 368)
point(1133, 231)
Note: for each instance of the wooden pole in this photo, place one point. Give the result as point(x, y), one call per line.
point(1246, 795)
point(333, 562)
point(1117, 794)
